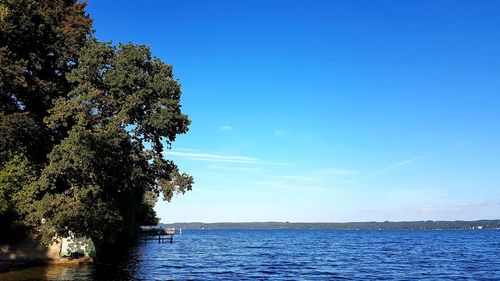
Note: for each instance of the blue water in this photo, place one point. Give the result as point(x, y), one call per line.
point(298, 255)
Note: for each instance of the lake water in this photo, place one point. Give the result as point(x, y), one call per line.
point(298, 255)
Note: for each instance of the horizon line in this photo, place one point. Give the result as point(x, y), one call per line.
point(318, 222)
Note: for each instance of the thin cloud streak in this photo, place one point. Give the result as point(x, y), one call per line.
point(336, 172)
point(212, 157)
point(280, 133)
point(294, 187)
point(200, 156)
point(397, 165)
point(225, 128)
point(318, 175)
point(299, 178)
point(226, 168)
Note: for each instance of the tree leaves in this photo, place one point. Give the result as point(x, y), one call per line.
point(89, 120)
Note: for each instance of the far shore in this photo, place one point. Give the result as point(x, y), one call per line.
point(386, 225)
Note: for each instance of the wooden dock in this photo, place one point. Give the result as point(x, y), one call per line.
point(157, 233)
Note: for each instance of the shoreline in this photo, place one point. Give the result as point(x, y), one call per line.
point(28, 252)
point(13, 265)
point(371, 225)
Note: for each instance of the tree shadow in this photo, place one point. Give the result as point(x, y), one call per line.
point(26, 252)
point(28, 260)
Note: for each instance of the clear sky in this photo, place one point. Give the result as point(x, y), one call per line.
point(328, 110)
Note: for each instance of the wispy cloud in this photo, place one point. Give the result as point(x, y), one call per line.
point(213, 157)
point(225, 128)
point(185, 149)
point(201, 156)
point(464, 143)
point(397, 165)
point(321, 175)
point(294, 187)
point(231, 168)
point(280, 133)
point(470, 208)
point(295, 178)
point(335, 172)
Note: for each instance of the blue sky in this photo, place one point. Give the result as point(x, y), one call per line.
point(328, 110)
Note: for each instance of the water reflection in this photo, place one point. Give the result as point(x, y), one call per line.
point(124, 270)
point(69, 273)
point(85, 272)
point(297, 254)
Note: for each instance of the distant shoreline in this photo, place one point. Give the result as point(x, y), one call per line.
point(387, 225)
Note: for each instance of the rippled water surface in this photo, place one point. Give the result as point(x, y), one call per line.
point(298, 255)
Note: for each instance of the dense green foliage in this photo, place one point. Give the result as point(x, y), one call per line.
point(83, 126)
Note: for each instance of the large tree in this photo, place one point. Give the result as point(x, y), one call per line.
point(83, 125)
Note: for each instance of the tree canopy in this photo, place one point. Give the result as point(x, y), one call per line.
point(83, 126)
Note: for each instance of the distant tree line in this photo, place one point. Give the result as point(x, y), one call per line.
point(83, 125)
point(410, 225)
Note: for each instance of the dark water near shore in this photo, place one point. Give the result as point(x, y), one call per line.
point(298, 255)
